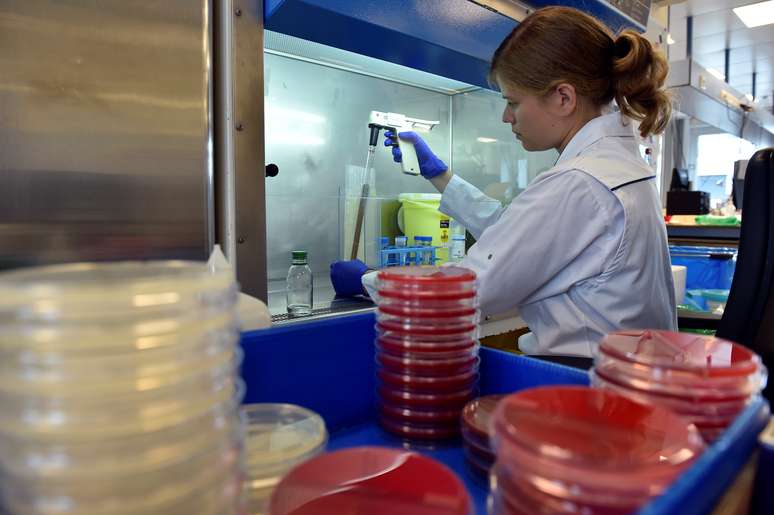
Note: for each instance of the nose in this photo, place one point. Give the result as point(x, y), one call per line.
point(508, 115)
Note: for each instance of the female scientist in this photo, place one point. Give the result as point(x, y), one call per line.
point(582, 251)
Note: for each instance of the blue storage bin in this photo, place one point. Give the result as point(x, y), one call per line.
point(328, 366)
point(707, 267)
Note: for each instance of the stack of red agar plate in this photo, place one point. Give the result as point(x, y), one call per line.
point(707, 380)
point(570, 449)
point(426, 350)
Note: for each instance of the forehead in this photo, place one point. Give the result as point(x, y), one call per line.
point(511, 92)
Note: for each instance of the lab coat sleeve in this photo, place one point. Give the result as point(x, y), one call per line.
point(557, 233)
point(468, 205)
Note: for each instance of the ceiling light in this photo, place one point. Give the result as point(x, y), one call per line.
point(670, 39)
point(715, 73)
point(755, 15)
point(486, 140)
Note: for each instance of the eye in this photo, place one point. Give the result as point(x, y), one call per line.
point(513, 105)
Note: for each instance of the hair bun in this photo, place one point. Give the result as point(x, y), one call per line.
point(639, 73)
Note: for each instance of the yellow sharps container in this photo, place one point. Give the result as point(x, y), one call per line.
point(419, 216)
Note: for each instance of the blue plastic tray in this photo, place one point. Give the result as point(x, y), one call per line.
point(328, 366)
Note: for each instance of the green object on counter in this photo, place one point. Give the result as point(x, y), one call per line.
point(717, 220)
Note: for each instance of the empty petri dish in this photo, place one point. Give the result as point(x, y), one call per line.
point(278, 436)
point(373, 480)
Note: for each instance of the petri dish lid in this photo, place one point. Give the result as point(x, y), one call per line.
point(461, 331)
point(477, 414)
point(599, 429)
point(436, 277)
point(712, 357)
point(279, 436)
point(422, 298)
point(97, 290)
point(373, 480)
point(421, 312)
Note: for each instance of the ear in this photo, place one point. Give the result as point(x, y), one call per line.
point(564, 99)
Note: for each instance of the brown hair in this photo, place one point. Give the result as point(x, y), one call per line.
point(561, 44)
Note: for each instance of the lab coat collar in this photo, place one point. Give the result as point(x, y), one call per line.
point(607, 125)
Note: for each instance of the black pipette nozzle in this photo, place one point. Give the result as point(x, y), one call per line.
point(374, 134)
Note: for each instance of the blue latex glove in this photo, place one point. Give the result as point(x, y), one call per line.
point(429, 164)
point(345, 276)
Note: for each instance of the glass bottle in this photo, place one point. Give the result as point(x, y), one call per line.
point(299, 285)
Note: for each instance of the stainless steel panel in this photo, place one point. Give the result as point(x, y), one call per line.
point(240, 141)
point(104, 130)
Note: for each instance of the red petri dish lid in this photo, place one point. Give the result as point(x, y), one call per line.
point(420, 416)
point(426, 349)
point(464, 330)
point(430, 366)
point(372, 480)
point(714, 357)
point(417, 383)
point(477, 414)
point(430, 275)
point(400, 397)
point(599, 429)
point(434, 298)
point(426, 432)
point(421, 312)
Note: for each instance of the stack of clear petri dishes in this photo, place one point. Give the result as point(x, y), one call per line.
point(476, 444)
point(568, 449)
point(373, 481)
point(278, 437)
point(426, 350)
point(120, 390)
point(707, 380)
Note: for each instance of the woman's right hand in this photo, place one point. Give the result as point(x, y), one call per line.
point(430, 166)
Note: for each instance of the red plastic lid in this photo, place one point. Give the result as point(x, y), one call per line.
point(434, 367)
point(425, 349)
point(440, 416)
point(397, 310)
point(427, 275)
point(439, 299)
point(465, 330)
point(714, 357)
point(370, 480)
point(411, 431)
point(478, 413)
point(400, 397)
point(599, 429)
point(416, 383)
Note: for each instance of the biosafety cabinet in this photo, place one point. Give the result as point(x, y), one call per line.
point(328, 64)
point(145, 129)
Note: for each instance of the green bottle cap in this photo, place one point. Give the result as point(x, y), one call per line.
point(299, 257)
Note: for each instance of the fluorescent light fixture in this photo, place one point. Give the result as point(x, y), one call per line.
point(715, 73)
point(486, 140)
point(756, 15)
point(670, 39)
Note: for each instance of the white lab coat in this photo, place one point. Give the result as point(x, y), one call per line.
point(581, 252)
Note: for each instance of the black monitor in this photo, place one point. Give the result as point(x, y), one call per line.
point(680, 180)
